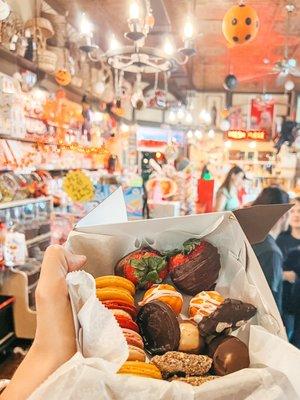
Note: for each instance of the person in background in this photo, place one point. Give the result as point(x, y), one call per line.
point(227, 195)
point(268, 252)
point(289, 243)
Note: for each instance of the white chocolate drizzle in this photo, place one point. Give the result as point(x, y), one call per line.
point(158, 293)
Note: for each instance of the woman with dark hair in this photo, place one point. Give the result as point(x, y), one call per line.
point(227, 195)
point(289, 243)
point(268, 253)
point(271, 195)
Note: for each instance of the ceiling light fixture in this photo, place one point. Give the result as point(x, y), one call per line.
point(138, 58)
point(86, 31)
point(189, 43)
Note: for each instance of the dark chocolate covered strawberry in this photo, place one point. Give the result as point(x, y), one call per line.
point(144, 267)
point(195, 267)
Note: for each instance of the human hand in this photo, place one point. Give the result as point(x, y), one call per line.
point(55, 340)
point(289, 276)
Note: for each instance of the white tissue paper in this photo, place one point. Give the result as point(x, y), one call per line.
point(91, 373)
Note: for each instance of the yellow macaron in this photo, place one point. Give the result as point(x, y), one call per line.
point(113, 293)
point(115, 281)
point(141, 369)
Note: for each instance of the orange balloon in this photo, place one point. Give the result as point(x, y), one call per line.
point(240, 24)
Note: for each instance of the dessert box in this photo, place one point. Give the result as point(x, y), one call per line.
point(105, 236)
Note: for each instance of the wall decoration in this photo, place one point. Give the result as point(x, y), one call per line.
point(214, 103)
point(78, 186)
point(262, 116)
point(63, 77)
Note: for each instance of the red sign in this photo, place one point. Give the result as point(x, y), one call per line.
point(262, 116)
point(239, 134)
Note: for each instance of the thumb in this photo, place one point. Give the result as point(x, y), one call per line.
point(74, 261)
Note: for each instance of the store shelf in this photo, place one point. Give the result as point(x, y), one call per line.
point(18, 203)
point(252, 162)
point(26, 140)
point(39, 238)
point(13, 59)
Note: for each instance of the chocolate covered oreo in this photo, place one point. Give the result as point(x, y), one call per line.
point(159, 327)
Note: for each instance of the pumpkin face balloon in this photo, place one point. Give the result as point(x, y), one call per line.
point(63, 77)
point(240, 24)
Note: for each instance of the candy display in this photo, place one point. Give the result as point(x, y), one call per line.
point(175, 363)
point(195, 267)
point(190, 339)
point(229, 355)
point(141, 369)
point(143, 267)
point(165, 293)
point(159, 327)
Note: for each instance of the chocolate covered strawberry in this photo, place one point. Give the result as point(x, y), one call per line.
point(191, 248)
point(195, 267)
point(144, 267)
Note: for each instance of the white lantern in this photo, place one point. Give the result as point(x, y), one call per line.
point(225, 125)
point(289, 85)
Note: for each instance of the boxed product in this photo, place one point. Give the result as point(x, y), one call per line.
point(184, 311)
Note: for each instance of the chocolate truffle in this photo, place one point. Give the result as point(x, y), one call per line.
point(159, 327)
point(199, 270)
point(230, 315)
point(229, 355)
point(190, 339)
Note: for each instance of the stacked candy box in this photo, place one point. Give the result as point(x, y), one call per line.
point(176, 308)
point(193, 347)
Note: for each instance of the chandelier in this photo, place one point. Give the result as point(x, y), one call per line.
point(138, 58)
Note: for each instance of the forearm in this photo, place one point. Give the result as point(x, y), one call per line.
point(38, 364)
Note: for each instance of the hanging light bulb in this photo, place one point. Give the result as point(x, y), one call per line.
point(188, 35)
point(168, 47)
point(289, 85)
point(189, 118)
point(86, 27)
point(97, 116)
point(228, 144)
point(188, 29)
point(189, 134)
point(205, 117)
point(134, 10)
point(211, 134)
point(252, 144)
point(198, 134)
point(172, 116)
point(125, 128)
point(224, 125)
point(180, 114)
point(114, 43)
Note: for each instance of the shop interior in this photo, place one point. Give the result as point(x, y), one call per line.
point(160, 97)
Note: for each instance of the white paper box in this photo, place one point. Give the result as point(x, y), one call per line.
point(90, 374)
